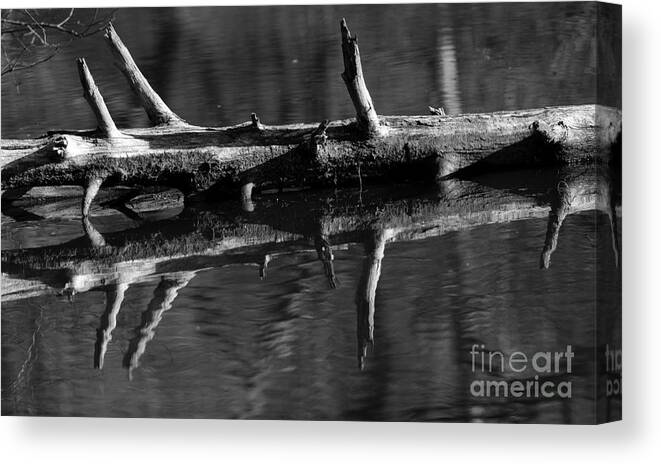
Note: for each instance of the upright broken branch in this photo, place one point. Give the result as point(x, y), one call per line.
point(366, 117)
point(106, 126)
point(157, 111)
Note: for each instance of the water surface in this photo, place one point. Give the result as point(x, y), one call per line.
point(214, 340)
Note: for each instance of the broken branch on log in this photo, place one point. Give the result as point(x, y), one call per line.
point(157, 111)
point(368, 121)
point(91, 93)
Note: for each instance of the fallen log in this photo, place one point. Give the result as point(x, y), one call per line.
point(229, 160)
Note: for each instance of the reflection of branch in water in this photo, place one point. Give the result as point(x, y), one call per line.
point(366, 293)
point(183, 244)
point(614, 242)
point(560, 205)
point(30, 353)
point(325, 254)
point(446, 69)
point(263, 266)
point(114, 299)
point(164, 295)
point(612, 218)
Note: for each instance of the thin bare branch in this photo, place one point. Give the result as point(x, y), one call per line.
point(25, 33)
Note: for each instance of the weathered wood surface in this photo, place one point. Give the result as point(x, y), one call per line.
point(201, 239)
point(196, 158)
point(338, 153)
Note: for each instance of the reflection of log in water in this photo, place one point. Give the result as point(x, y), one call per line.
point(563, 199)
point(164, 295)
point(200, 239)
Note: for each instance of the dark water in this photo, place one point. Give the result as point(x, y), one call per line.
point(206, 337)
point(215, 66)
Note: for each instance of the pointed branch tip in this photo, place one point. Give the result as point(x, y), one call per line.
point(346, 33)
point(93, 97)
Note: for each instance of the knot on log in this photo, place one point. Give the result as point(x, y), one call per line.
point(57, 145)
point(555, 133)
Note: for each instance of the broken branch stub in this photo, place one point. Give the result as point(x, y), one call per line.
point(366, 117)
point(157, 111)
point(255, 122)
point(91, 93)
point(92, 187)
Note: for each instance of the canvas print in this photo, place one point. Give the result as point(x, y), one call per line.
point(396, 212)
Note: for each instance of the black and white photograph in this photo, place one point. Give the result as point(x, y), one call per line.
point(351, 212)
